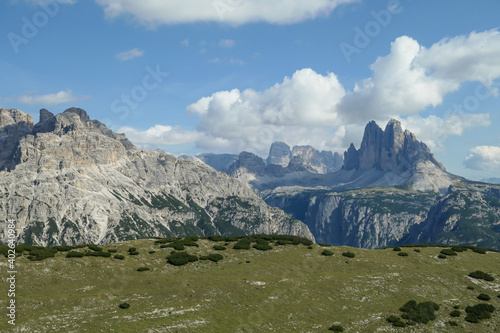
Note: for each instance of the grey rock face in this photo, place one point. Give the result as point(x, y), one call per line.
point(279, 154)
point(220, 162)
point(388, 150)
point(14, 124)
point(83, 183)
point(316, 161)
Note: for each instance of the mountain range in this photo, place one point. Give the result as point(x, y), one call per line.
point(390, 191)
point(69, 180)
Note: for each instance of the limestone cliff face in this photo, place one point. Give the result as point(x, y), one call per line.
point(388, 150)
point(70, 180)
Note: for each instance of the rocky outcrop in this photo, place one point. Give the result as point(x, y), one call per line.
point(388, 150)
point(14, 124)
point(71, 180)
point(279, 154)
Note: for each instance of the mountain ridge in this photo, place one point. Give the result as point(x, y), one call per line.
point(69, 180)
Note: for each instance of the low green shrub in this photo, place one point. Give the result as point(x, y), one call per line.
point(479, 250)
point(75, 254)
point(310, 247)
point(479, 312)
point(97, 254)
point(180, 258)
point(219, 247)
point(39, 253)
point(396, 248)
point(459, 248)
point(455, 313)
point(242, 244)
point(119, 257)
point(470, 287)
point(442, 256)
point(452, 323)
point(94, 247)
point(112, 250)
point(132, 249)
point(417, 250)
point(325, 244)
point(481, 276)
point(484, 297)
point(419, 312)
point(263, 246)
point(448, 252)
point(124, 306)
point(60, 248)
point(327, 253)
point(403, 254)
point(142, 269)
point(215, 257)
point(348, 254)
point(336, 328)
point(133, 253)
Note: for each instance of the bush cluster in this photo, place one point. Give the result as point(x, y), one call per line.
point(242, 244)
point(448, 252)
point(479, 312)
point(180, 258)
point(414, 313)
point(142, 269)
point(325, 244)
point(60, 248)
point(455, 313)
point(133, 251)
point(336, 328)
point(484, 297)
point(262, 245)
point(219, 247)
point(403, 254)
point(396, 248)
point(119, 256)
point(124, 306)
point(75, 254)
point(327, 253)
point(481, 276)
point(94, 247)
point(97, 254)
point(442, 256)
point(112, 250)
point(348, 254)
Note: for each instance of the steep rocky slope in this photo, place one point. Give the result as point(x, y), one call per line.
point(391, 191)
point(69, 179)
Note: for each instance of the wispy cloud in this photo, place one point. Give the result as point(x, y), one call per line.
point(185, 42)
point(130, 54)
point(61, 97)
point(227, 43)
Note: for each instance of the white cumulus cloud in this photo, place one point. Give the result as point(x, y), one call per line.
point(160, 135)
point(130, 54)
point(235, 12)
point(313, 108)
point(61, 97)
point(483, 158)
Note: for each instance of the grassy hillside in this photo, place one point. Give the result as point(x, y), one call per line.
point(289, 288)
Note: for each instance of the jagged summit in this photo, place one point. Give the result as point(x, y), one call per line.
point(388, 150)
point(70, 180)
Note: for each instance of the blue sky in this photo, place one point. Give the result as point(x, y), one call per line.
point(231, 75)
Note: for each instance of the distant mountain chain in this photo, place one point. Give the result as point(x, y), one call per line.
point(390, 191)
point(70, 180)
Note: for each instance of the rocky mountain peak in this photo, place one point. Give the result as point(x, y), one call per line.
point(279, 154)
point(14, 117)
point(388, 150)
